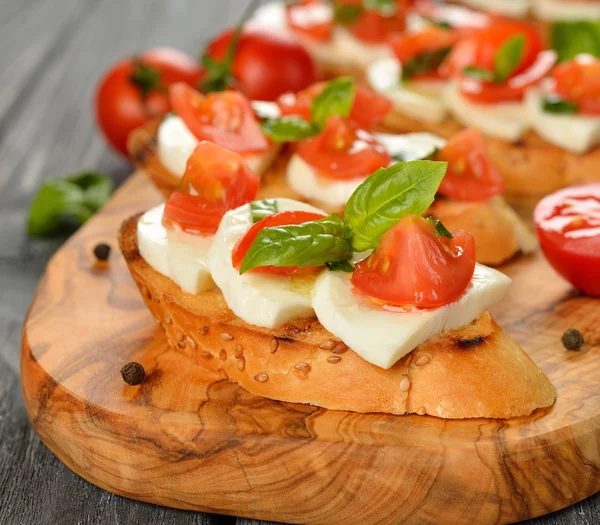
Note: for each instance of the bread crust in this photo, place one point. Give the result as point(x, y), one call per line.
point(475, 371)
point(494, 233)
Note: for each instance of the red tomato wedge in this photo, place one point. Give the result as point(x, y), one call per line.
point(578, 81)
point(368, 109)
point(373, 27)
point(311, 18)
point(409, 46)
point(471, 176)
point(283, 218)
point(344, 151)
point(568, 226)
point(479, 50)
point(267, 62)
point(216, 180)
point(413, 266)
point(226, 118)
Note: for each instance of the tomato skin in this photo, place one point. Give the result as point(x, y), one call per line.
point(216, 180)
point(368, 109)
point(225, 118)
point(578, 81)
point(277, 219)
point(568, 227)
point(471, 176)
point(412, 266)
point(374, 28)
point(310, 18)
point(119, 105)
point(267, 63)
point(344, 151)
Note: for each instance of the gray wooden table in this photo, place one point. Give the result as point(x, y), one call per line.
point(51, 55)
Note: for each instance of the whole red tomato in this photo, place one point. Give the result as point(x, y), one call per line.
point(134, 91)
point(267, 63)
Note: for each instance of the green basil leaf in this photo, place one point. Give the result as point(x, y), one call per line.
point(559, 106)
point(346, 13)
point(344, 266)
point(508, 57)
point(424, 63)
point(289, 129)
point(262, 209)
point(389, 194)
point(440, 229)
point(479, 73)
point(61, 202)
point(336, 99)
point(315, 242)
point(383, 7)
point(570, 39)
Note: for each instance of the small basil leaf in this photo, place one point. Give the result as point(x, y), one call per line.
point(559, 106)
point(60, 203)
point(508, 57)
point(346, 13)
point(385, 8)
point(479, 73)
point(315, 242)
point(570, 39)
point(288, 129)
point(262, 209)
point(345, 266)
point(389, 194)
point(440, 229)
point(336, 99)
point(424, 63)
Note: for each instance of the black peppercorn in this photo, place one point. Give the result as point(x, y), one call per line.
point(133, 373)
point(102, 251)
point(572, 339)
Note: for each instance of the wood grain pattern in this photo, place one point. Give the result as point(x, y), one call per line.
point(193, 441)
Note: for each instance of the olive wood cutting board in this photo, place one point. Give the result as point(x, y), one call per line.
point(186, 438)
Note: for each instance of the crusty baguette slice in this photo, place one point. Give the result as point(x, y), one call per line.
point(531, 168)
point(496, 234)
point(475, 371)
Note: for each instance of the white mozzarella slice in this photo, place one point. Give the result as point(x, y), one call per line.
point(421, 101)
point(174, 253)
point(176, 143)
point(381, 336)
point(507, 120)
point(270, 15)
point(566, 10)
point(512, 8)
point(263, 300)
point(306, 181)
point(575, 133)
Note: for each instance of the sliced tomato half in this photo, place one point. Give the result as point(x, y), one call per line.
point(578, 81)
point(471, 176)
point(413, 266)
point(278, 219)
point(344, 151)
point(225, 118)
point(368, 109)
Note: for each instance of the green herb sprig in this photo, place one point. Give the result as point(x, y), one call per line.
point(63, 204)
point(375, 207)
point(506, 61)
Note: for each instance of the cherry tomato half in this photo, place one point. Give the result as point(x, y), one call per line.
point(568, 226)
point(471, 176)
point(368, 109)
point(414, 266)
point(216, 180)
point(283, 218)
point(344, 151)
point(267, 63)
point(225, 118)
point(578, 81)
point(133, 91)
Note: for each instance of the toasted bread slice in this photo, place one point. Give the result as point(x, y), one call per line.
point(531, 168)
point(475, 371)
point(499, 235)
